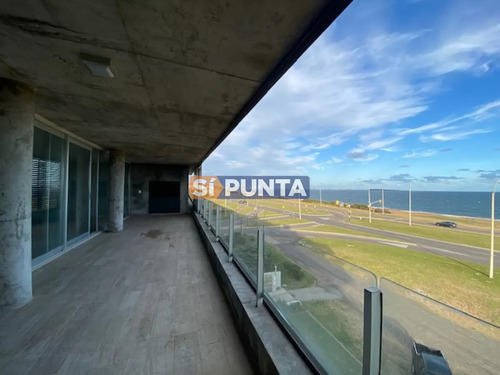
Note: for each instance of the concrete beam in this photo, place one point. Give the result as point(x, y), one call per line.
point(16, 152)
point(116, 190)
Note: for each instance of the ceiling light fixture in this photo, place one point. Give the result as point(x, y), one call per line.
point(98, 66)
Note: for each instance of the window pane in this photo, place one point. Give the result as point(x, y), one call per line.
point(93, 190)
point(56, 175)
point(78, 191)
point(103, 190)
point(40, 193)
point(47, 175)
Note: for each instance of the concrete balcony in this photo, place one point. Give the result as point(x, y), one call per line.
point(141, 301)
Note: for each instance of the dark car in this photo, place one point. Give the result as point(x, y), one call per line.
point(427, 361)
point(448, 224)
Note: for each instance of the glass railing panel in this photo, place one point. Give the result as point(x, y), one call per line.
point(245, 244)
point(214, 214)
point(320, 301)
point(224, 226)
point(420, 333)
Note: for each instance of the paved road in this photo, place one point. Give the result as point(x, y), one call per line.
point(426, 245)
point(405, 319)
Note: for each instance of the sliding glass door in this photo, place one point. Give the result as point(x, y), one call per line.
point(47, 194)
point(78, 192)
point(102, 197)
point(69, 192)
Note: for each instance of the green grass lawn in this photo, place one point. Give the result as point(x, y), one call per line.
point(437, 233)
point(342, 321)
point(330, 332)
point(291, 205)
point(241, 209)
point(339, 230)
point(292, 275)
point(461, 284)
point(263, 214)
point(285, 221)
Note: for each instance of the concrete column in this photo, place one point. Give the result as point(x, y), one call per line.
point(17, 108)
point(116, 190)
point(199, 173)
point(184, 193)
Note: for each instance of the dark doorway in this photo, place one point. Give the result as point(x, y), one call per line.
point(164, 197)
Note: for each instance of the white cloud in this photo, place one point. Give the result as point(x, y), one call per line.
point(361, 156)
point(357, 89)
point(470, 48)
point(380, 144)
point(389, 149)
point(452, 136)
point(235, 164)
point(420, 154)
point(444, 130)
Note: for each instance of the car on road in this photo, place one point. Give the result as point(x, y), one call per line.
point(427, 361)
point(448, 224)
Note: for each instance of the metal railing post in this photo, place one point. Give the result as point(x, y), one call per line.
point(217, 223)
point(231, 236)
point(210, 209)
point(372, 331)
point(260, 267)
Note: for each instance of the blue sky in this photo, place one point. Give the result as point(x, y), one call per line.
point(394, 91)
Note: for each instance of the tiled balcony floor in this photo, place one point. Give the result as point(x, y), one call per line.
point(143, 301)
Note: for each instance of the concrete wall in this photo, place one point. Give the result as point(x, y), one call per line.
point(140, 176)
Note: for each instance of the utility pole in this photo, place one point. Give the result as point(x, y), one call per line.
point(300, 211)
point(492, 249)
point(409, 207)
point(320, 200)
point(383, 202)
point(369, 207)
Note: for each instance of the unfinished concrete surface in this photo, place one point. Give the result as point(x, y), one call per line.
point(270, 348)
point(184, 70)
point(142, 301)
point(16, 150)
point(116, 190)
point(142, 174)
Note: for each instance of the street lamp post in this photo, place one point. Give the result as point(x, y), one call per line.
point(369, 206)
point(492, 250)
point(300, 211)
point(320, 200)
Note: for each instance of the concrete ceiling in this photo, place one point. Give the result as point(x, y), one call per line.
point(186, 71)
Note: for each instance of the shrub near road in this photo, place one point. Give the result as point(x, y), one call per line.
point(292, 275)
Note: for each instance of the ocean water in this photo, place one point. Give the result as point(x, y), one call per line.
point(473, 204)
